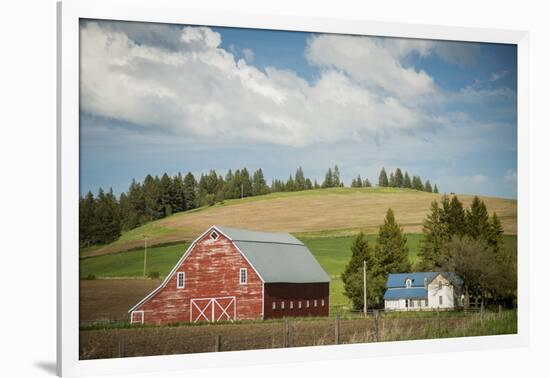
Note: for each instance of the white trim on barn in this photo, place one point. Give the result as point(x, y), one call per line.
point(137, 312)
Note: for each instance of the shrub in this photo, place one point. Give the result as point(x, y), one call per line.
point(90, 277)
point(153, 275)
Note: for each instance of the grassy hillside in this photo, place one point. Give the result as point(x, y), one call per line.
point(324, 213)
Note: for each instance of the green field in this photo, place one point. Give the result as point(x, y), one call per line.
point(333, 253)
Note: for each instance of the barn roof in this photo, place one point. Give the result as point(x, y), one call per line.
point(277, 256)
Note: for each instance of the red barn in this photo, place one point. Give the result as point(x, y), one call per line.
point(233, 274)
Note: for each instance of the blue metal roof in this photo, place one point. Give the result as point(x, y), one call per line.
point(414, 292)
point(397, 280)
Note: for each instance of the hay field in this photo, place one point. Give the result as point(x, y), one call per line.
point(329, 212)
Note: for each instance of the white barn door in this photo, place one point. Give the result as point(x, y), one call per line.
point(213, 309)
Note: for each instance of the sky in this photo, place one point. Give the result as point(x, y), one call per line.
point(158, 98)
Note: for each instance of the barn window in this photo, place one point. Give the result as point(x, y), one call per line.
point(181, 280)
point(299, 304)
point(214, 235)
point(323, 302)
point(307, 303)
point(137, 317)
point(315, 303)
point(408, 283)
point(274, 305)
point(243, 278)
point(291, 305)
point(440, 300)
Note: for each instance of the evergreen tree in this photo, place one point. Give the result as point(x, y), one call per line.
point(436, 190)
point(495, 236)
point(299, 180)
point(435, 235)
point(336, 177)
point(107, 218)
point(391, 246)
point(407, 181)
point(259, 185)
point(383, 178)
point(477, 220)
point(417, 183)
point(455, 217)
point(309, 185)
point(367, 183)
point(391, 182)
point(151, 196)
point(428, 186)
point(246, 183)
point(399, 179)
point(87, 221)
point(329, 179)
point(316, 185)
point(190, 191)
point(290, 184)
point(178, 200)
point(352, 277)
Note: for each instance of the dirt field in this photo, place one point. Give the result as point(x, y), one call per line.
point(110, 300)
point(340, 211)
point(147, 341)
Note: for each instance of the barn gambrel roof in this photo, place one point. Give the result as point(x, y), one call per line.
point(276, 256)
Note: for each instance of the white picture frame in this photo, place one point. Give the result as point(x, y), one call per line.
point(173, 11)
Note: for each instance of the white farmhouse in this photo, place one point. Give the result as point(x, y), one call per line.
point(423, 291)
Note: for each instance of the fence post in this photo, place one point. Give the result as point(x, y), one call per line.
point(438, 323)
point(337, 329)
point(482, 310)
point(286, 342)
point(218, 346)
point(376, 335)
point(499, 310)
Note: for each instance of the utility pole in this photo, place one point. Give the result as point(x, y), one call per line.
point(145, 257)
point(365, 287)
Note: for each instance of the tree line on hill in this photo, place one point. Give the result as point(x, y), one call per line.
point(398, 179)
point(466, 242)
point(104, 217)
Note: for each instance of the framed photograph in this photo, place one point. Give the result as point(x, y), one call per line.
point(238, 188)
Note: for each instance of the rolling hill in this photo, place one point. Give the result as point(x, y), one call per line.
point(318, 213)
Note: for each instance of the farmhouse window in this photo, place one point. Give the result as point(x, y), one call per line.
point(412, 302)
point(291, 305)
point(307, 303)
point(408, 283)
point(299, 304)
point(440, 286)
point(315, 303)
point(323, 302)
point(274, 305)
point(282, 305)
point(214, 235)
point(440, 300)
point(243, 276)
point(181, 280)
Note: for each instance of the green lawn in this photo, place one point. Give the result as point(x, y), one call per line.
point(130, 264)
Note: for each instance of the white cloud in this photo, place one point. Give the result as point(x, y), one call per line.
point(199, 90)
point(373, 62)
point(190, 88)
point(511, 176)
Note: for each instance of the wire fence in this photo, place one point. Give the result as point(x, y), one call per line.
point(346, 328)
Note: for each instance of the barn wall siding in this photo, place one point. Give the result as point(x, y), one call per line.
point(295, 292)
point(211, 270)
